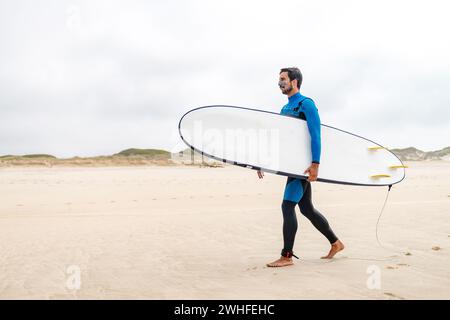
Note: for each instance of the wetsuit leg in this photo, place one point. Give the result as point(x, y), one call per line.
point(289, 224)
point(316, 218)
point(292, 194)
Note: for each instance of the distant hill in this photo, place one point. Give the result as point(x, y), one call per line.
point(144, 152)
point(128, 157)
point(413, 154)
point(134, 157)
point(29, 156)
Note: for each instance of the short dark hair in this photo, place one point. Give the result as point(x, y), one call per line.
point(294, 74)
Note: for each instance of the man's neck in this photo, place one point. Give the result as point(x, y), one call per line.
point(292, 92)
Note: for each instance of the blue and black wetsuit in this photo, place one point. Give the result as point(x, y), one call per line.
point(298, 191)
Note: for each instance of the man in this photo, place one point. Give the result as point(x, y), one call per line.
point(298, 191)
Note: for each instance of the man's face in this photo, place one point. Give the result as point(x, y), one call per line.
point(284, 83)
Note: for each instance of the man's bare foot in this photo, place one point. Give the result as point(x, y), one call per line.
point(282, 262)
point(335, 248)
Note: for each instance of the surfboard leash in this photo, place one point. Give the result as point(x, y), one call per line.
point(379, 217)
point(376, 227)
point(377, 237)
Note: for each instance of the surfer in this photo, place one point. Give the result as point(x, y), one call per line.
point(298, 191)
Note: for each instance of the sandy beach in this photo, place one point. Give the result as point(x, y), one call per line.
point(185, 232)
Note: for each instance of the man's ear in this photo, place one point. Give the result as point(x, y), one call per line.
point(294, 83)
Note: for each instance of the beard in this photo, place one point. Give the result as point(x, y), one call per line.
point(286, 89)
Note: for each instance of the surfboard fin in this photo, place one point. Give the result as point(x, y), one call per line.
point(376, 176)
point(397, 167)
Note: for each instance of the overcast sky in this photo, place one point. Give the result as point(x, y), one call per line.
point(95, 77)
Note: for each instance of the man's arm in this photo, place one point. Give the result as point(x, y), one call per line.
point(313, 122)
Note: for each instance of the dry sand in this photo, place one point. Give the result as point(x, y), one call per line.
point(206, 233)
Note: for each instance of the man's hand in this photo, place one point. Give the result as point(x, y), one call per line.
point(313, 171)
point(260, 174)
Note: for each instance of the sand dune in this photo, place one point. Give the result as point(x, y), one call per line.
point(206, 233)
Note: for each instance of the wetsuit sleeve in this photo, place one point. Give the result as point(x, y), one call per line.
point(313, 121)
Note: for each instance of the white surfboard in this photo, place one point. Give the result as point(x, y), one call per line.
point(281, 144)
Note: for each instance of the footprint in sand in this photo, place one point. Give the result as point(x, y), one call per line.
point(403, 264)
point(254, 268)
point(436, 248)
point(393, 295)
point(19, 205)
point(408, 254)
point(391, 267)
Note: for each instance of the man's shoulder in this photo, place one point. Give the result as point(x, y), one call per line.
point(307, 102)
